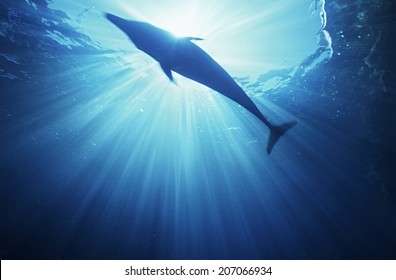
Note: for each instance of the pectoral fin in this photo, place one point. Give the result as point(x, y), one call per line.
point(167, 71)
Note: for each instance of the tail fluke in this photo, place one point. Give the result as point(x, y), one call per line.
point(276, 132)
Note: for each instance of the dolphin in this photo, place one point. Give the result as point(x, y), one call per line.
point(182, 56)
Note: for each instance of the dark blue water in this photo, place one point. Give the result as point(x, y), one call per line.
point(98, 160)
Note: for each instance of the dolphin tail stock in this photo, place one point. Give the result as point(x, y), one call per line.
point(276, 131)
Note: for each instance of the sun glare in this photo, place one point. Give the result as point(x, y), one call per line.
point(183, 23)
point(177, 26)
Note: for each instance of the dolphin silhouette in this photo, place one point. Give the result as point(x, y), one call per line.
point(186, 58)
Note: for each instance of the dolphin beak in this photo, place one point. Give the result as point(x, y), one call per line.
point(117, 21)
point(111, 17)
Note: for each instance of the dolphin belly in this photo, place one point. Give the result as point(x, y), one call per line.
point(193, 63)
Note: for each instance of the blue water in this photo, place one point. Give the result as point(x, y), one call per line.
point(101, 157)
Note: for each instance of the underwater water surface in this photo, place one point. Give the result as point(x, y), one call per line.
point(102, 157)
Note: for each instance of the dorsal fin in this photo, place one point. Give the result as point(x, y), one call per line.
point(191, 39)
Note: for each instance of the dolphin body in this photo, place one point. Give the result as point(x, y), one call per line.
point(186, 58)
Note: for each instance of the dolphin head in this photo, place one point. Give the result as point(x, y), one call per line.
point(142, 34)
point(134, 29)
point(123, 24)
